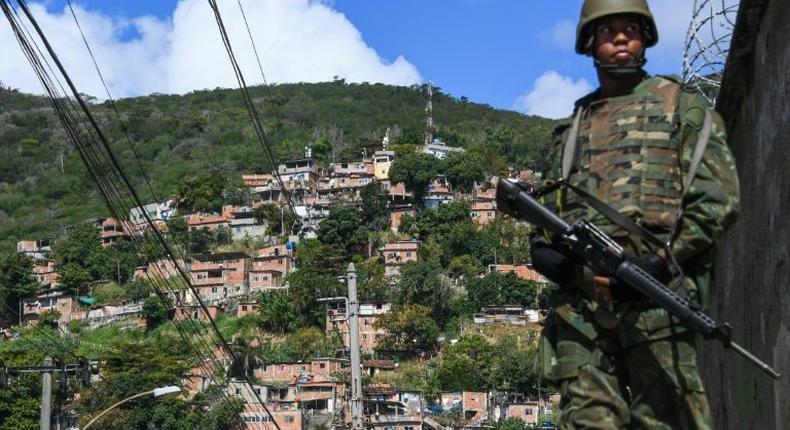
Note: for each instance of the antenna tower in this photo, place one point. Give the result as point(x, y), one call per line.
point(429, 115)
point(707, 44)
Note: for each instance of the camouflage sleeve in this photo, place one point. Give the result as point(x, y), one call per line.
point(711, 203)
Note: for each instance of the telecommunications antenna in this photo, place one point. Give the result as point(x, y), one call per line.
point(707, 44)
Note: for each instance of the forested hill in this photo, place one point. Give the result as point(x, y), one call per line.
point(44, 186)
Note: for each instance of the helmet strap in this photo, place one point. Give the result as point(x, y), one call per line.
point(629, 69)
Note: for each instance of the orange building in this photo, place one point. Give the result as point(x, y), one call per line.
point(397, 254)
point(522, 271)
point(368, 333)
point(220, 276)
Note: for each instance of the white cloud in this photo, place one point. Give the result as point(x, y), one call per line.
point(298, 41)
point(552, 95)
point(562, 34)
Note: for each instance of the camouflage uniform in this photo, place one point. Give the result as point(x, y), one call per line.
point(628, 364)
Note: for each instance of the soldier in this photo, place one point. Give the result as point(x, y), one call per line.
point(618, 360)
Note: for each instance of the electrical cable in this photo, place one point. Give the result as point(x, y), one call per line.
point(73, 129)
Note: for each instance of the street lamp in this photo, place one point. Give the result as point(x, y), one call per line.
point(167, 392)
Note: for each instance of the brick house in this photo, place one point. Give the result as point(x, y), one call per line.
point(397, 254)
point(44, 270)
point(35, 249)
point(474, 405)
point(112, 230)
point(52, 299)
point(200, 221)
point(438, 193)
point(196, 312)
point(220, 276)
point(396, 215)
point(162, 269)
point(368, 333)
point(269, 268)
point(247, 308)
point(522, 271)
point(482, 212)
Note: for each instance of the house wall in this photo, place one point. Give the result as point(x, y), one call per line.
point(752, 271)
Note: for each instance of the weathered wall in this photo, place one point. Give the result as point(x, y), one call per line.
point(753, 266)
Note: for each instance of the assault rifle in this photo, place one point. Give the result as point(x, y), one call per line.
point(606, 258)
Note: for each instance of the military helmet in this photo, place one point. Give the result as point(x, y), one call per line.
point(596, 9)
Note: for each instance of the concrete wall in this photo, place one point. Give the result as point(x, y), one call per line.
point(752, 287)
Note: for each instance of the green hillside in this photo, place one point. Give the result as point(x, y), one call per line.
point(44, 186)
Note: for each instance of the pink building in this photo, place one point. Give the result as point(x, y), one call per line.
point(397, 254)
point(269, 267)
point(113, 230)
point(196, 312)
point(44, 269)
point(522, 271)
point(52, 299)
point(247, 308)
point(201, 221)
point(222, 275)
point(397, 213)
point(474, 405)
point(368, 333)
point(163, 269)
point(483, 212)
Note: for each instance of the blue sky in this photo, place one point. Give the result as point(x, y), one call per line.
point(511, 54)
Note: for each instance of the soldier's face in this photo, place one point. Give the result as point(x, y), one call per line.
point(618, 39)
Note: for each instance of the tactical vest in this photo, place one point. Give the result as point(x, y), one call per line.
point(628, 154)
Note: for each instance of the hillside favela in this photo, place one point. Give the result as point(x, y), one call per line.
point(344, 254)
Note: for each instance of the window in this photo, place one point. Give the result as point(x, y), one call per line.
point(408, 253)
point(322, 365)
point(289, 419)
point(238, 390)
point(214, 289)
point(244, 308)
point(364, 336)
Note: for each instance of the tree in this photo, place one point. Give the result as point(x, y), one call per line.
point(178, 230)
point(19, 404)
point(200, 241)
point(277, 313)
point(154, 312)
point(466, 365)
point(464, 169)
point(275, 217)
point(17, 281)
point(371, 285)
point(513, 368)
point(343, 227)
point(201, 192)
point(322, 151)
point(501, 289)
point(441, 221)
point(75, 278)
point(420, 284)
point(80, 257)
point(308, 343)
point(375, 206)
point(416, 170)
point(511, 423)
point(409, 329)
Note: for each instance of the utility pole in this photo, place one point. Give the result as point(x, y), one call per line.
point(46, 396)
point(356, 364)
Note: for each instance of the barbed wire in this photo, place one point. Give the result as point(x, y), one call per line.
point(707, 44)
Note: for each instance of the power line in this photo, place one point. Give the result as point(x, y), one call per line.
point(82, 139)
point(124, 127)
